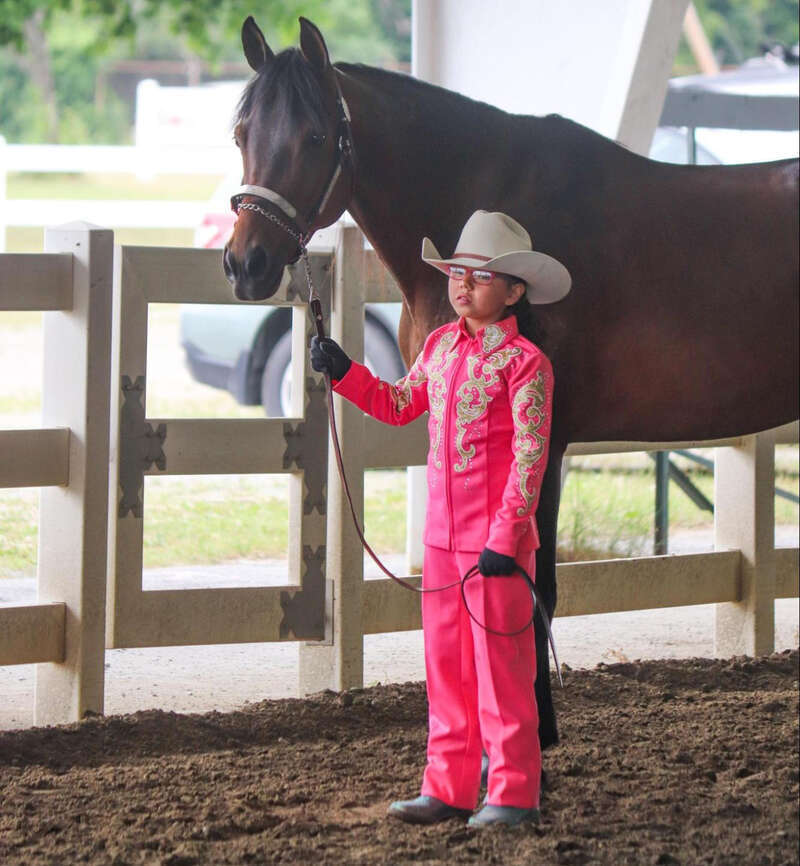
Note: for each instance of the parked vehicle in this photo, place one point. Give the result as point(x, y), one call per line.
point(247, 349)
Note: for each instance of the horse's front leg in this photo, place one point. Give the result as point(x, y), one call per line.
point(547, 522)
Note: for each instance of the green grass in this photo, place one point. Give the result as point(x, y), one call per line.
point(192, 523)
point(31, 240)
point(20, 319)
point(110, 186)
point(213, 519)
point(19, 520)
point(209, 520)
point(21, 403)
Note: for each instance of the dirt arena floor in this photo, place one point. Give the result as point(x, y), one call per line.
point(668, 762)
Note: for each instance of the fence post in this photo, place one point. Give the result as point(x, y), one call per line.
point(73, 521)
point(744, 519)
point(340, 665)
point(661, 518)
point(417, 501)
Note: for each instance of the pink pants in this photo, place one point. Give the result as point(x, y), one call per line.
point(480, 685)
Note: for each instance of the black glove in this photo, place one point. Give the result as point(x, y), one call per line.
point(327, 356)
point(491, 563)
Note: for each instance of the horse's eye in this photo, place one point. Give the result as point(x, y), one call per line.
point(318, 139)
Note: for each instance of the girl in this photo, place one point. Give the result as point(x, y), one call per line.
point(488, 390)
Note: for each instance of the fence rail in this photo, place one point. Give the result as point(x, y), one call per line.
point(118, 159)
point(140, 160)
point(95, 388)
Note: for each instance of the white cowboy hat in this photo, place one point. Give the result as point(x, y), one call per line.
point(496, 242)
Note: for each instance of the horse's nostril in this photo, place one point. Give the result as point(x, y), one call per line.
point(229, 265)
point(255, 263)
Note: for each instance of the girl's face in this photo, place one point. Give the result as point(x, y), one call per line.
point(481, 297)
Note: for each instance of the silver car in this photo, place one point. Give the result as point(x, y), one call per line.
point(247, 349)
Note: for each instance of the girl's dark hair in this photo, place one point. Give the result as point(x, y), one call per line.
point(527, 322)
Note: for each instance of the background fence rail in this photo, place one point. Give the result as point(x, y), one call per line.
point(140, 160)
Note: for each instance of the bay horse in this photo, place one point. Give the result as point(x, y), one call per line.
point(682, 319)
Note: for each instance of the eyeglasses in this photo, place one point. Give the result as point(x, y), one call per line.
point(459, 274)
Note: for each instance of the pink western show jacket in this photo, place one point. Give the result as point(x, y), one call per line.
point(490, 404)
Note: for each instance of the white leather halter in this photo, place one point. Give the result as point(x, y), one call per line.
point(299, 226)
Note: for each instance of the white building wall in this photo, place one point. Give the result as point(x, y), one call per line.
point(604, 63)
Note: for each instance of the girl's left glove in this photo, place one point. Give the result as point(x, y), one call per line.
point(327, 356)
point(491, 563)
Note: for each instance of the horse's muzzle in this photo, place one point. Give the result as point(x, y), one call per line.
point(254, 278)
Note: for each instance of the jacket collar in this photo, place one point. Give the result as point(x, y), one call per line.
point(493, 336)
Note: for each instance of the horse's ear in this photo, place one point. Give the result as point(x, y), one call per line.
point(255, 46)
point(313, 45)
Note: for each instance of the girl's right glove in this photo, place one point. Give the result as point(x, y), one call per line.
point(491, 563)
point(327, 356)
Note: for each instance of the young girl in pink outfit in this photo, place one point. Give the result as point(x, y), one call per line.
point(488, 391)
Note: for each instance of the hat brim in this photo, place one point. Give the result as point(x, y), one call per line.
point(547, 280)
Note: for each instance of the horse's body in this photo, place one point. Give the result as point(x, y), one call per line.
point(682, 319)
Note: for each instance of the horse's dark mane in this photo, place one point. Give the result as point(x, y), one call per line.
point(288, 77)
point(399, 83)
point(429, 103)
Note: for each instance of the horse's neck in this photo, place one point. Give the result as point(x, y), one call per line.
point(409, 181)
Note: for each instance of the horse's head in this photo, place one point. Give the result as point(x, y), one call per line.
point(293, 133)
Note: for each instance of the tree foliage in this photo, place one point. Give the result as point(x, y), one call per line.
point(738, 29)
point(54, 53)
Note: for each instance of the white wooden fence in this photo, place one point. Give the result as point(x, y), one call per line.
point(142, 161)
point(68, 459)
point(143, 446)
point(90, 379)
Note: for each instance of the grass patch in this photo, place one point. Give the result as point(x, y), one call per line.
point(28, 239)
point(20, 319)
point(108, 187)
point(385, 511)
point(19, 522)
point(21, 403)
point(196, 531)
point(99, 187)
point(209, 403)
point(217, 519)
point(604, 516)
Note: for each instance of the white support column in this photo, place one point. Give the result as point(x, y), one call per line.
point(340, 665)
point(637, 96)
point(73, 522)
point(604, 65)
point(744, 519)
point(416, 503)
